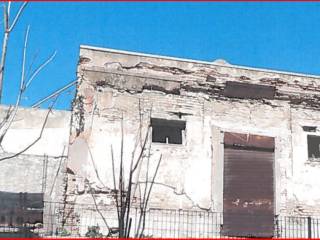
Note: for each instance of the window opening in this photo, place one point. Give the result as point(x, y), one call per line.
point(314, 147)
point(167, 131)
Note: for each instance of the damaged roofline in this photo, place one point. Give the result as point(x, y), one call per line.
point(197, 61)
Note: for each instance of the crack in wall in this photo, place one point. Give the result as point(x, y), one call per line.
point(149, 66)
point(181, 193)
point(175, 85)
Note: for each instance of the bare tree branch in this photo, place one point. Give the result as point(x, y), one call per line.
point(148, 197)
point(36, 140)
point(55, 93)
point(58, 170)
point(33, 60)
point(6, 17)
point(121, 185)
point(94, 164)
point(4, 48)
point(143, 144)
point(147, 177)
point(153, 179)
point(6, 117)
point(36, 72)
point(7, 31)
point(125, 188)
point(22, 79)
point(115, 184)
point(142, 149)
point(23, 86)
point(143, 199)
point(21, 90)
point(98, 210)
point(16, 18)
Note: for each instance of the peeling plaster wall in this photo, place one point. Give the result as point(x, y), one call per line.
point(42, 167)
point(114, 85)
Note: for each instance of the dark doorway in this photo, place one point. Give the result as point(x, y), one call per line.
point(248, 197)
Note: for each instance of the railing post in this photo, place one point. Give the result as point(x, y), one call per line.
point(309, 228)
point(276, 225)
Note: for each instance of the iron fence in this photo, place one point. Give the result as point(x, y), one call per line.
point(297, 227)
point(87, 220)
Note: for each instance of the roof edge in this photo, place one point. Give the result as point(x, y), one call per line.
point(198, 61)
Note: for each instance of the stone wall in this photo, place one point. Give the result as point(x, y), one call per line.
point(115, 85)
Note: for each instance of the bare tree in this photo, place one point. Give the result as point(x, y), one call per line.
point(8, 28)
point(28, 75)
point(24, 84)
point(125, 184)
point(125, 188)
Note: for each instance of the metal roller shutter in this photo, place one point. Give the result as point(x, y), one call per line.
point(248, 185)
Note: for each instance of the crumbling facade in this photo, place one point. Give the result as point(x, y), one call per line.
point(201, 149)
point(232, 140)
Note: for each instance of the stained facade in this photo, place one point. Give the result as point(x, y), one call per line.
point(227, 149)
point(235, 140)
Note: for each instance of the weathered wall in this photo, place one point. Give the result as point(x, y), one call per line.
point(40, 169)
point(115, 84)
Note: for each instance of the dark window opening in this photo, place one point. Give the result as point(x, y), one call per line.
point(167, 131)
point(313, 147)
point(248, 91)
point(19, 208)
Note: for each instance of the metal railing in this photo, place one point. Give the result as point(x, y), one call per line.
point(87, 220)
point(297, 227)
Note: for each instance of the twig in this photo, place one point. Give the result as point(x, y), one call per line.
point(34, 57)
point(21, 90)
point(100, 213)
point(36, 140)
point(6, 13)
point(52, 95)
point(58, 170)
point(37, 71)
point(6, 117)
point(17, 16)
point(142, 149)
point(142, 202)
point(23, 84)
point(121, 185)
point(148, 197)
point(128, 200)
point(94, 164)
point(24, 60)
point(7, 31)
point(114, 183)
point(143, 145)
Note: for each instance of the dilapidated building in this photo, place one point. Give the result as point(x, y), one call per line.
point(202, 149)
point(239, 142)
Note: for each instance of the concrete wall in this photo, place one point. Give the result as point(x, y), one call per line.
point(42, 167)
point(114, 85)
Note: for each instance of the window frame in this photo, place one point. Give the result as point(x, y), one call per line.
point(181, 126)
point(312, 159)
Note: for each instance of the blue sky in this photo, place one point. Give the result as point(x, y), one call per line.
point(280, 36)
